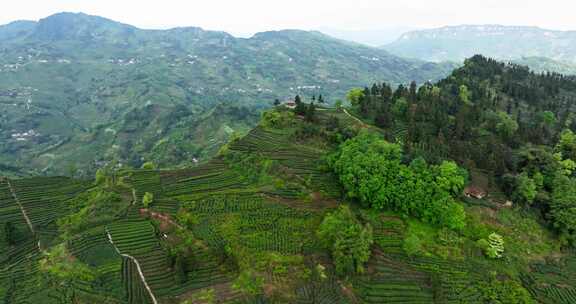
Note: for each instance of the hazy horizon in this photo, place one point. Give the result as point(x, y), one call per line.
point(251, 16)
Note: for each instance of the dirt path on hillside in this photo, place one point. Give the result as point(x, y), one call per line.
point(21, 207)
point(354, 117)
point(137, 266)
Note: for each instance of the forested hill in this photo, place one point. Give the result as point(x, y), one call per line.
point(68, 76)
point(513, 129)
point(394, 199)
point(485, 103)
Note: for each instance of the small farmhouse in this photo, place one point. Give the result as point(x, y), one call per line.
point(474, 192)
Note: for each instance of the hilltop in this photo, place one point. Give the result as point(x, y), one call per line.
point(70, 75)
point(460, 190)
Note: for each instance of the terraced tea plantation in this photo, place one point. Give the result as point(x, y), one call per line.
point(241, 228)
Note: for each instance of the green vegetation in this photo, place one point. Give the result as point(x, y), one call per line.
point(8, 230)
point(407, 196)
point(493, 247)
point(348, 240)
point(371, 170)
point(147, 199)
point(506, 291)
point(509, 126)
point(73, 99)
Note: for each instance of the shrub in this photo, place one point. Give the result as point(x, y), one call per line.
point(248, 283)
point(100, 177)
point(148, 166)
point(495, 247)
point(147, 199)
point(504, 292)
point(412, 245)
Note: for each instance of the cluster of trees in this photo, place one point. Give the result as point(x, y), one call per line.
point(306, 110)
point(348, 240)
point(545, 179)
point(501, 118)
point(372, 171)
point(473, 115)
point(92, 207)
point(331, 129)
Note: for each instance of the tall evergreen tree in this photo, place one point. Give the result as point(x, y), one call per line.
point(310, 115)
point(297, 99)
point(412, 91)
point(386, 92)
point(300, 106)
point(374, 90)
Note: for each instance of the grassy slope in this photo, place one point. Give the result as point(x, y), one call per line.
point(264, 199)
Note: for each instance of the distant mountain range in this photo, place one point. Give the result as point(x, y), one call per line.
point(79, 90)
point(374, 37)
point(456, 43)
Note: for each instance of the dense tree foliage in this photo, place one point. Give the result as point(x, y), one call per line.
point(371, 170)
point(514, 125)
point(348, 240)
point(563, 207)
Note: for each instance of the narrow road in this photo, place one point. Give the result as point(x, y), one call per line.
point(21, 207)
point(137, 266)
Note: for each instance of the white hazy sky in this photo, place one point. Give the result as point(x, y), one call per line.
point(249, 16)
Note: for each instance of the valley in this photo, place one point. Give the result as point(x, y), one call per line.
point(180, 165)
point(322, 204)
point(69, 77)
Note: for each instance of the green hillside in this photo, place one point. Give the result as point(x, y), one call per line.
point(69, 76)
point(444, 193)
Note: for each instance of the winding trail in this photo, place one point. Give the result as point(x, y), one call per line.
point(354, 117)
point(137, 266)
point(28, 221)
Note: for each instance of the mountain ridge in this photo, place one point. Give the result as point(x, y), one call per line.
point(71, 75)
point(455, 43)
